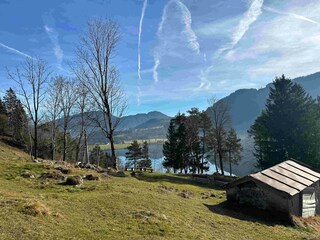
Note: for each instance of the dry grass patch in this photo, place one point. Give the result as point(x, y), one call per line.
point(35, 209)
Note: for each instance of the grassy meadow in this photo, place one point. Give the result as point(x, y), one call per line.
point(150, 206)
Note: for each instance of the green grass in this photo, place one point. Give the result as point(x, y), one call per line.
point(125, 144)
point(146, 207)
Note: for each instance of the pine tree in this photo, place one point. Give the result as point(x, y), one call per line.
point(17, 118)
point(97, 156)
point(3, 119)
point(170, 146)
point(134, 152)
point(181, 161)
point(145, 161)
point(192, 126)
point(233, 148)
point(175, 149)
point(288, 128)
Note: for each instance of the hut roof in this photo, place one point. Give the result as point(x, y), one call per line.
point(289, 177)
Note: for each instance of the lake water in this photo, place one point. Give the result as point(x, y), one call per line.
point(157, 158)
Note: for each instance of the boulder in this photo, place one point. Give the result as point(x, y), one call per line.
point(27, 175)
point(92, 177)
point(64, 170)
point(120, 174)
point(53, 175)
point(74, 180)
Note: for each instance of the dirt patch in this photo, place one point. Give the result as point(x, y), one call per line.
point(186, 194)
point(206, 195)
point(167, 189)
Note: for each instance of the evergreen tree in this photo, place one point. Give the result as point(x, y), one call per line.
point(233, 148)
point(182, 151)
point(175, 149)
point(169, 147)
point(145, 161)
point(17, 118)
point(97, 156)
point(134, 152)
point(2, 107)
point(193, 140)
point(288, 128)
point(3, 119)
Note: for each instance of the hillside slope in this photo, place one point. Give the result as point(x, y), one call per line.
point(153, 206)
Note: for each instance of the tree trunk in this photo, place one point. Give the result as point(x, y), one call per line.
point(230, 169)
point(35, 144)
point(202, 159)
point(86, 148)
point(113, 153)
point(78, 146)
point(64, 145)
point(221, 163)
point(215, 161)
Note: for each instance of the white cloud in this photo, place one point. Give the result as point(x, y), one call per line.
point(168, 41)
point(14, 50)
point(140, 32)
point(187, 21)
point(54, 37)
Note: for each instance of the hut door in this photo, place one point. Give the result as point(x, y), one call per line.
point(308, 203)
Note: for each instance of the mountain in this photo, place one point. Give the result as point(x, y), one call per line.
point(143, 120)
point(140, 126)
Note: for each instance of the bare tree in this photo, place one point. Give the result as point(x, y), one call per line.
point(68, 97)
point(31, 77)
point(101, 77)
point(221, 122)
point(53, 109)
point(82, 104)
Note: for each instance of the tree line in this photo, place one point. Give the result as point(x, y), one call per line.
point(47, 101)
point(199, 136)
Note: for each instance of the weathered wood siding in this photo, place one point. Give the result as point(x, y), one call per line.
point(308, 202)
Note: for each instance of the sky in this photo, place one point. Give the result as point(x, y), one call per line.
point(173, 54)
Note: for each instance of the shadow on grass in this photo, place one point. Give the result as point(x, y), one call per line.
point(249, 214)
point(176, 179)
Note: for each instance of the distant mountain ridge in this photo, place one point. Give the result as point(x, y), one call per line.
point(247, 104)
point(153, 124)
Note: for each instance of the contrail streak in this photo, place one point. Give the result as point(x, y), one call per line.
point(140, 31)
point(15, 50)
point(290, 14)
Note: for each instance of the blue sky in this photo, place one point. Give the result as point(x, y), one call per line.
point(174, 54)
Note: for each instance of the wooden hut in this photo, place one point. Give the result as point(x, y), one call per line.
point(290, 187)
